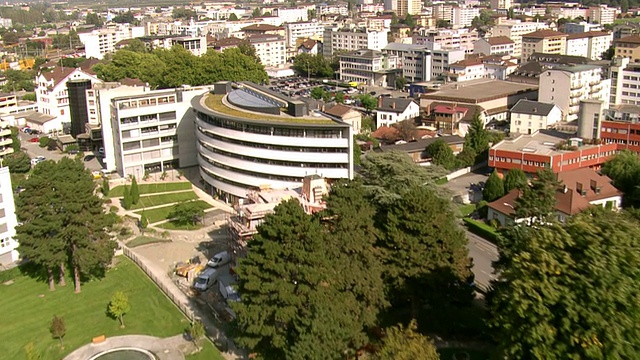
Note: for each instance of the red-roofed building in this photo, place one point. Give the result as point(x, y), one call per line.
point(447, 118)
point(498, 45)
point(543, 41)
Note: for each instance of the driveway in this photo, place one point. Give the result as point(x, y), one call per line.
point(462, 185)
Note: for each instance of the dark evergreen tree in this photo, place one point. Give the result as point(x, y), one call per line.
point(134, 191)
point(126, 198)
point(477, 137)
point(442, 155)
point(538, 200)
point(494, 188)
point(515, 179)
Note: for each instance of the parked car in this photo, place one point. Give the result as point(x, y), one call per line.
point(219, 259)
point(96, 174)
point(34, 140)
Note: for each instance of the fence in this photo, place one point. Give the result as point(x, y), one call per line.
point(464, 171)
point(184, 307)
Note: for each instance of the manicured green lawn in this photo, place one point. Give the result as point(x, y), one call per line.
point(467, 209)
point(163, 199)
point(28, 306)
point(144, 240)
point(162, 213)
point(208, 352)
point(172, 225)
point(118, 191)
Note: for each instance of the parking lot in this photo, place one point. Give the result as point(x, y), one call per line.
point(470, 183)
point(33, 149)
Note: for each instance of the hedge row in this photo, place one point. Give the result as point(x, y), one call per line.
point(481, 229)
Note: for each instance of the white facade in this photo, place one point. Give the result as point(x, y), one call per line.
point(577, 46)
point(8, 220)
point(366, 67)
point(447, 39)
point(332, 9)
point(271, 49)
point(195, 45)
point(52, 96)
point(528, 123)
point(602, 14)
point(442, 59)
point(625, 82)
point(500, 4)
point(494, 46)
point(467, 70)
point(298, 30)
point(514, 30)
point(589, 44)
point(565, 86)
point(403, 7)
point(463, 16)
point(414, 60)
point(147, 131)
point(291, 15)
point(98, 43)
point(388, 118)
point(347, 40)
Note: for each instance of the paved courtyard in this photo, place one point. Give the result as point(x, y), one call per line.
point(172, 348)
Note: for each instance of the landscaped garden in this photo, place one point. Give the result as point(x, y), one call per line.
point(118, 191)
point(163, 199)
point(28, 308)
point(162, 213)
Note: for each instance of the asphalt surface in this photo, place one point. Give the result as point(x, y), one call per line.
point(33, 149)
point(483, 254)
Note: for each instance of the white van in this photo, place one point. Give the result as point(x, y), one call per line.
point(206, 279)
point(219, 259)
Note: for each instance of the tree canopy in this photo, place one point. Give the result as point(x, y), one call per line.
point(569, 292)
point(312, 65)
point(62, 221)
point(515, 179)
point(624, 170)
point(477, 138)
point(538, 200)
point(494, 188)
point(442, 155)
point(167, 68)
point(406, 343)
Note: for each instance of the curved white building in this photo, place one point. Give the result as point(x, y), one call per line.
point(250, 138)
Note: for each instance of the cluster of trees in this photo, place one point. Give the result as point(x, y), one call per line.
point(163, 68)
point(126, 18)
point(475, 149)
point(182, 13)
point(62, 223)
point(496, 187)
point(131, 194)
point(19, 80)
point(314, 65)
point(624, 170)
point(187, 212)
point(313, 285)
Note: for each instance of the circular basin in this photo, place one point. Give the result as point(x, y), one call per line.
point(124, 354)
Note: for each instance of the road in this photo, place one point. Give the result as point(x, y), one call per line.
point(484, 254)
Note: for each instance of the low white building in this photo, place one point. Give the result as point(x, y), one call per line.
point(529, 116)
point(497, 45)
point(367, 67)
point(8, 220)
point(466, 70)
point(392, 110)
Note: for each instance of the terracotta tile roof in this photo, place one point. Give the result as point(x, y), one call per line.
point(499, 40)
point(588, 34)
point(132, 82)
point(568, 199)
point(262, 27)
point(467, 62)
point(88, 64)
point(444, 109)
point(633, 39)
point(227, 42)
point(541, 34)
point(338, 110)
point(308, 44)
point(58, 74)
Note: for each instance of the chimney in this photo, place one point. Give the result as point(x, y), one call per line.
point(565, 189)
point(379, 102)
point(393, 105)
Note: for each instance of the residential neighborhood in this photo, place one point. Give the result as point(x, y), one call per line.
point(363, 179)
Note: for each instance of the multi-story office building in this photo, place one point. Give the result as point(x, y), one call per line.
point(625, 82)
point(345, 39)
point(271, 49)
point(500, 4)
point(602, 14)
point(52, 94)
point(147, 131)
point(100, 42)
point(368, 67)
point(628, 47)
point(514, 29)
point(543, 41)
point(413, 60)
point(589, 44)
point(299, 30)
point(8, 220)
point(246, 142)
point(341, 9)
point(403, 7)
point(443, 11)
point(566, 86)
point(441, 60)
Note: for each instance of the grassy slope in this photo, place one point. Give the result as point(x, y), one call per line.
point(118, 191)
point(159, 214)
point(163, 199)
point(26, 317)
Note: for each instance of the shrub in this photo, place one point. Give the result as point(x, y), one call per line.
point(44, 141)
point(481, 229)
point(113, 209)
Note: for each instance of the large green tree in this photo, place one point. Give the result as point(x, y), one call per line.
point(442, 155)
point(477, 137)
point(569, 292)
point(406, 343)
point(62, 221)
point(624, 170)
point(493, 188)
point(538, 200)
point(293, 303)
point(313, 65)
point(423, 250)
point(515, 179)
point(187, 212)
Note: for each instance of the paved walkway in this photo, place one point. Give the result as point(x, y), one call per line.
point(172, 348)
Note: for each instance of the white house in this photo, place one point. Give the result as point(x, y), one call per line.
point(528, 116)
point(497, 45)
point(52, 95)
point(391, 111)
point(466, 70)
point(8, 220)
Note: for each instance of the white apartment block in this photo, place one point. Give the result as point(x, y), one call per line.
point(529, 116)
point(463, 16)
point(341, 9)
point(566, 85)
point(371, 8)
point(514, 30)
point(499, 45)
point(467, 70)
point(147, 131)
point(6, 23)
point(589, 44)
point(367, 67)
point(52, 95)
point(100, 42)
point(271, 49)
point(443, 12)
point(570, 12)
point(602, 14)
point(447, 39)
point(306, 29)
point(413, 60)
point(403, 7)
point(291, 15)
point(442, 59)
point(336, 39)
point(625, 82)
point(8, 220)
point(500, 4)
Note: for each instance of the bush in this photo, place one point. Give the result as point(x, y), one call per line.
point(44, 141)
point(113, 209)
point(482, 209)
point(125, 231)
point(481, 229)
point(72, 147)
